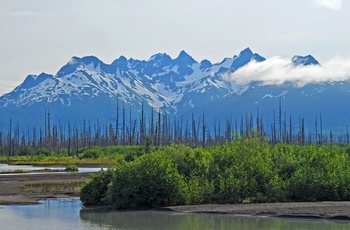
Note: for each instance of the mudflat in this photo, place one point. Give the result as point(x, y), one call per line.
point(28, 188)
point(314, 210)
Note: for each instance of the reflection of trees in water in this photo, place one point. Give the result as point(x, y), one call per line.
point(154, 220)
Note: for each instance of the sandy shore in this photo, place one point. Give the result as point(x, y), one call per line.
point(313, 210)
point(30, 188)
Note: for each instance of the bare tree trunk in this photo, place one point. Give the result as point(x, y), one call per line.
point(69, 139)
point(203, 131)
point(321, 131)
point(124, 127)
point(117, 124)
point(290, 129)
point(9, 141)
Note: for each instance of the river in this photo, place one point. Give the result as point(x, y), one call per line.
point(69, 214)
point(10, 169)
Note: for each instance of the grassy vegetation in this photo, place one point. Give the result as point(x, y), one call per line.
point(95, 155)
point(16, 171)
point(51, 187)
point(242, 171)
point(71, 168)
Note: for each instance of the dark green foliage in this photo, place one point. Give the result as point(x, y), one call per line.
point(90, 153)
point(43, 151)
point(94, 192)
point(129, 157)
point(96, 152)
point(242, 171)
point(148, 144)
point(147, 182)
point(323, 174)
point(26, 151)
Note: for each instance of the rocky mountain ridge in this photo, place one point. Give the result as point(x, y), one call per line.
point(87, 88)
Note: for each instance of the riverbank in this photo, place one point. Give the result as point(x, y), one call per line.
point(24, 189)
point(308, 210)
point(28, 188)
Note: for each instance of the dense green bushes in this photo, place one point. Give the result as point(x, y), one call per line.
point(95, 152)
point(242, 171)
point(94, 193)
point(149, 181)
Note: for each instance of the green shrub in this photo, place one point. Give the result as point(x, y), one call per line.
point(43, 151)
point(89, 154)
point(129, 157)
point(244, 170)
point(71, 168)
point(94, 192)
point(148, 182)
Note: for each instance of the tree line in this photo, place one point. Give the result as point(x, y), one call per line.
point(160, 129)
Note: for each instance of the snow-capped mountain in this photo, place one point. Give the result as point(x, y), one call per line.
point(87, 88)
point(307, 60)
point(163, 83)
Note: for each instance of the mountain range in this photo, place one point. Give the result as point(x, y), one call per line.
point(88, 89)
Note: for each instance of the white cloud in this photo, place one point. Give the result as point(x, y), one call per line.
point(276, 71)
point(331, 4)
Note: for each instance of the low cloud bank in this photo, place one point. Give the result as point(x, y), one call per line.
point(277, 71)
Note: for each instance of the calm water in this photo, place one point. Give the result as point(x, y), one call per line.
point(68, 214)
point(12, 168)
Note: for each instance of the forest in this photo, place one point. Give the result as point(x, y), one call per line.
point(67, 139)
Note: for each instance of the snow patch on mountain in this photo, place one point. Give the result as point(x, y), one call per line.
point(304, 60)
point(166, 84)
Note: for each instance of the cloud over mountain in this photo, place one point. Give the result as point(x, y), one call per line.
point(87, 89)
point(277, 71)
point(331, 4)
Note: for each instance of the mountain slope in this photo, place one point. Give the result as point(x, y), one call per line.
point(89, 89)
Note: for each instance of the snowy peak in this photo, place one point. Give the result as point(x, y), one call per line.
point(304, 60)
point(184, 59)
point(75, 64)
point(158, 57)
point(162, 82)
point(160, 60)
point(246, 52)
point(33, 80)
point(90, 60)
point(121, 62)
point(86, 88)
point(244, 57)
point(205, 64)
point(69, 68)
point(256, 57)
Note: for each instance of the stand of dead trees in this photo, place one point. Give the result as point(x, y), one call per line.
point(159, 129)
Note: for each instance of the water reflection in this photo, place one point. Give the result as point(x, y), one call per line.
point(51, 214)
point(153, 220)
point(69, 214)
point(12, 168)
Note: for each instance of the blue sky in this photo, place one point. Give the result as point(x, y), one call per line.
point(42, 35)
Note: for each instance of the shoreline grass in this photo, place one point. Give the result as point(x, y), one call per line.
point(52, 187)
